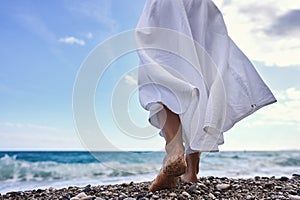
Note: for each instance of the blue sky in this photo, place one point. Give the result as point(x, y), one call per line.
point(44, 43)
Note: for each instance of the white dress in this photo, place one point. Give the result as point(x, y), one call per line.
point(190, 64)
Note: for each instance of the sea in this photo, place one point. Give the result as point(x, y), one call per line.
point(26, 170)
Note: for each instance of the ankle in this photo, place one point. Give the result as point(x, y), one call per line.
point(191, 171)
point(174, 149)
point(189, 177)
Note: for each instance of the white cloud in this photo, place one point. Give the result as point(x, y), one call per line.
point(285, 112)
point(280, 95)
point(36, 25)
point(293, 94)
point(89, 35)
point(72, 40)
point(130, 80)
point(100, 11)
point(265, 30)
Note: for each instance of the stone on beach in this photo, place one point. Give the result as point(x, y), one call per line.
point(83, 196)
point(293, 197)
point(223, 186)
point(206, 188)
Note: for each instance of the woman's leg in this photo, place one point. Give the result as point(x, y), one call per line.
point(174, 164)
point(172, 133)
point(174, 146)
point(192, 170)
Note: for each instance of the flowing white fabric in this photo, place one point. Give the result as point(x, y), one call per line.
point(191, 65)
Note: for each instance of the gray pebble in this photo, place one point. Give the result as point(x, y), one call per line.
point(185, 194)
point(201, 185)
point(278, 187)
point(81, 195)
point(193, 187)
point(210, 195)
point(269, 185)
point(88, 198)
point(293, 197)
point(283, 178)
point(173, 194)
point(223, 186)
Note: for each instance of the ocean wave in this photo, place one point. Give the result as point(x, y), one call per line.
point(28, 170)
point(48, 166)
point(12, 169)
point(289, 162)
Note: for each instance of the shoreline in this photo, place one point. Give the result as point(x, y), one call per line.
point(206, 188)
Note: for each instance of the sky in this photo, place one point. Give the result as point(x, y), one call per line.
point(45, 43)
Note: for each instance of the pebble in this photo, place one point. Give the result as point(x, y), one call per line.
point(278, 187)
point(201, 185)
point(192, 187)
point(122, 196)
point(296, 175)
point(173, 194)
point(292, 192)
point(283, 178)
point(269, 185)
point(86, 189)
point(256, 178)
point(223, 186)
point(211, 196)
point(148, 195)
point(293, 197)
point(81, 195)
point(207, 188)
point(185, 194)
point(89, 198)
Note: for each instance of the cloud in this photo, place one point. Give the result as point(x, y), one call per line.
point(72, 40)
point(285, 112)
point(293, 94)
point(36, 25)
point(89, 35)
point(267, 31)
point(99, 11)
point(129, 79)
point(286, 25)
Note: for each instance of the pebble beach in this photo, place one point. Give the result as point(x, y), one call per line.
point(206, 188)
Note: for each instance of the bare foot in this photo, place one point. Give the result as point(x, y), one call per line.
point(192, 168)
point(189, 178)
point(168, 176)
point(163, 181)
point(174, 163)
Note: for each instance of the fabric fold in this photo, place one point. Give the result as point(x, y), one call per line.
point(190, 64)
